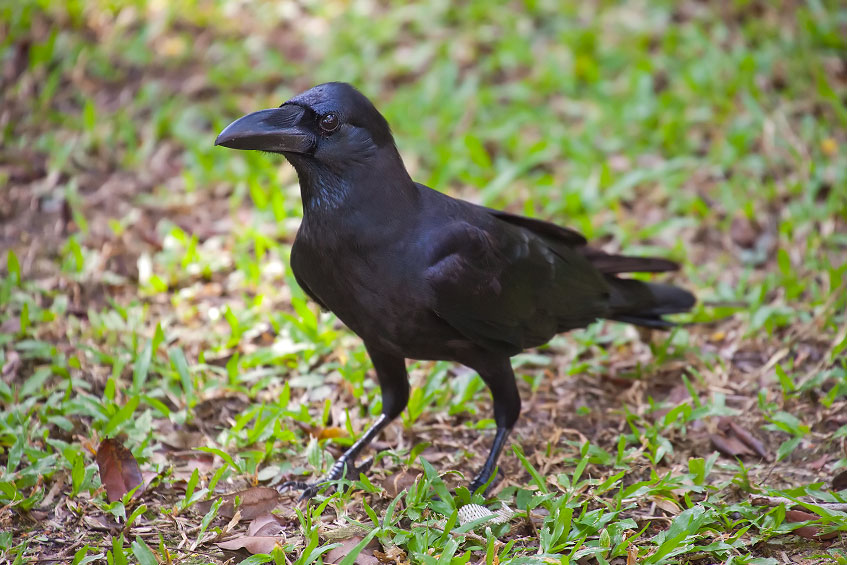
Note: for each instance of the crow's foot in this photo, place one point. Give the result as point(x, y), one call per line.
point(336, 472)
point(480, 480)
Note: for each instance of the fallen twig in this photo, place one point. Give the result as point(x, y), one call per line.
point(761, 500)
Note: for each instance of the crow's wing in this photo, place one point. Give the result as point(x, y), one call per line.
point(547, 230)
point(505, 288)
point(607, 263)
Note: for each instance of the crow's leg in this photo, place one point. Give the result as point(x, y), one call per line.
point(500, 378)
point(391, 373)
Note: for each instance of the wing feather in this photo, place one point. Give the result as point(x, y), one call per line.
point(506, 289)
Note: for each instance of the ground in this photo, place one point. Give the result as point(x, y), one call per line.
point(146, 297)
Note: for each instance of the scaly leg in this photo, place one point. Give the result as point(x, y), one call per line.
point(500, 378)
point(394, 382)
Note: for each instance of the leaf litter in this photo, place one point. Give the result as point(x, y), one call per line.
point(130, 223)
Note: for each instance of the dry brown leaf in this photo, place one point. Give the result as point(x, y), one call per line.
point(365, 557)
point(183, 440)
point(119, 470)
point(265, 525)
point(254, 502)
point(734, 441)
point(100, 522)
point(729, 446)
point(253, 544)
point(631, 555)
point(744, 232)
point(11, 366)
point(397, 556)
point(719, 335)
point(11, 326)
point(818, 463)
point(147, 477)
point(204, 463)
point(57, 487)
point(398, 482)
point(330, 433)
point(749, 440)
point(808, 532)
point(829, 147)
point(840, 481)
point(668, 506)
point(677, 395)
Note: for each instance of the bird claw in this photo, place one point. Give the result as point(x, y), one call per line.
point(309, 489)
point(335, 473)
point(479, 481)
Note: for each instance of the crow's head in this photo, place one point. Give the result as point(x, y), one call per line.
point(332, 125)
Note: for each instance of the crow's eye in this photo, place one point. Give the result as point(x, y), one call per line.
point(329, 123)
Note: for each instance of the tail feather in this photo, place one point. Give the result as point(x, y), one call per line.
point(645, 303)
point(609, 264)
point(637, 302)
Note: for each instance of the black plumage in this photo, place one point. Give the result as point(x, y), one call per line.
point(418, 274)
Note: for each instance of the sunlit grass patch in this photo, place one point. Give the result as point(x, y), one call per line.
point(146, 295)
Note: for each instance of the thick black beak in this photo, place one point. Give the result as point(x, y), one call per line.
point(276, 130)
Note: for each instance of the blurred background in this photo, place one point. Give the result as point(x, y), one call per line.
point(144, 280)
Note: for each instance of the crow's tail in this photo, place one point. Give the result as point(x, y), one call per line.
point(644, 303)
point(638, 302)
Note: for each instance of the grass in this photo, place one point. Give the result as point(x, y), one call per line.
point(145, 291)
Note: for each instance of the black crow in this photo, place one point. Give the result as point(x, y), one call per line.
point(420, 275)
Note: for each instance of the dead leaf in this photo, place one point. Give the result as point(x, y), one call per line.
point(330, 433)
point(734, 441)
point(365, 557)
point(729, 446)
point(254, 502)
point(748, 360)
point(749, 440)
point(840, 481)
point(719, 335)
point(11, 366)
point(818, 463)
point(147, 477)
point(829, 147)
point(321, 433)
point(11, 326)
point(265, 525)
point(668, 506)
point(119, 470)
point(744, 232)
point(190, 461)
point(183, 440)
point(253, 544)
point(397, 556)
point(57, 487)
point(100, 523)
point(808, 532)
point(677, 395)
point(398, 482)
point(631, 555)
